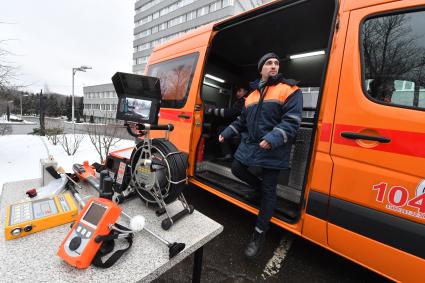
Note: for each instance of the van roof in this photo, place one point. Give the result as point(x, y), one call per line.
point(185, 36)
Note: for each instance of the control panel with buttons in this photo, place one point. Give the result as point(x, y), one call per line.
point(32, 216)
point(82, 242)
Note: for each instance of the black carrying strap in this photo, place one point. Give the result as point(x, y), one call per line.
point(106, 248)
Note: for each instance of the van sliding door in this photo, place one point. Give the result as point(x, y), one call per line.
point(377, 201)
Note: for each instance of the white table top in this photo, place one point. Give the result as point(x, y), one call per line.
point(33, 257)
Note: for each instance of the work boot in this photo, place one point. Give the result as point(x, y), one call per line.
point(256, 244)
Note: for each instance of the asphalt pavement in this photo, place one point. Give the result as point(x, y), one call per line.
point(285, 258)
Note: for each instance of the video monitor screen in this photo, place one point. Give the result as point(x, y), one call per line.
point(94, 213)
point(133, 109)
point(139, 98)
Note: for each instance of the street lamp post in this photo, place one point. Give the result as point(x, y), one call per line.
point(74, 70)
point(22, 95)
point(8, 110)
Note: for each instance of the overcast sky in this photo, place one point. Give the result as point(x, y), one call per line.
point(50, 37)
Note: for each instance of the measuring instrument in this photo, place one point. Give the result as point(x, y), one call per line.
point(28, 217)
point(85, 238)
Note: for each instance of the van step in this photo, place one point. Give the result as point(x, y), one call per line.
point(284, 209)
point(283, 191)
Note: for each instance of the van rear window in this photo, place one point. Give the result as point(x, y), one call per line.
point(176, 77)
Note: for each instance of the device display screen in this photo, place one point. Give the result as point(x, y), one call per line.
point(134, 109)
point(94, 213)
point(139, 98)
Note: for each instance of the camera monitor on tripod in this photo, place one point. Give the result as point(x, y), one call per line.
point(139, 98)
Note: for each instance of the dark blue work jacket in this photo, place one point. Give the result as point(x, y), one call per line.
point(275, 117)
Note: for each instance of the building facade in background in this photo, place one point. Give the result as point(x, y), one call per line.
point(100, 101)
point(157, 21)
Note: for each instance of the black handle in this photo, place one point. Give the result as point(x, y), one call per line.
point(184, 116)
point(356, 136)
point(167, 127)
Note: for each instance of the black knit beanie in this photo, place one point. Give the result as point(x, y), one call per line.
point(265, 58)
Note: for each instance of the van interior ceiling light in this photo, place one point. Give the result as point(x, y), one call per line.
point(308, 54)
point(211, 85)
point(214, 78)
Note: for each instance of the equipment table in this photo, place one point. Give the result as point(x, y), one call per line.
point(33, 257)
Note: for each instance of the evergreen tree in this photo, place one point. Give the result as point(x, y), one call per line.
point(62, 108)
point(53, 106)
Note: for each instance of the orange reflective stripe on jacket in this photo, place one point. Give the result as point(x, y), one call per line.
point(275, 93)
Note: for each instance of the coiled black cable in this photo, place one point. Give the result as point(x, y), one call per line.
point(176, 163)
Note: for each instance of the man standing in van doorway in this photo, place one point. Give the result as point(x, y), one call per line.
point(268, 125)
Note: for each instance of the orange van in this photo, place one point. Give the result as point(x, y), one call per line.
point(356, 183)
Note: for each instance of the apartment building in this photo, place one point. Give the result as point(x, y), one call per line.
point(100, 101)
point(157, 21)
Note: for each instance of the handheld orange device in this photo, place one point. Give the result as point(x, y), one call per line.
point(80, 245)
point(86, 173)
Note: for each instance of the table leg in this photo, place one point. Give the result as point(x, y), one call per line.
point(197, 265)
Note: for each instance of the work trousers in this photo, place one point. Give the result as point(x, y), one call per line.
point(268, 190)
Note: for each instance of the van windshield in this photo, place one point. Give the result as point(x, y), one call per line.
point(175, 76)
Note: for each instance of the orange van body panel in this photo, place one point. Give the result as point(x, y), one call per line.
point(314, 229)
point(334, 159)
point(357, 4)
point(185, 44)
point(398, 265)
point(360, 166)
point(321, 164)
point(192, 42)
point(395, 165)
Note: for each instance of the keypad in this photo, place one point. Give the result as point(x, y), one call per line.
point(21, 213)
point(83, 232)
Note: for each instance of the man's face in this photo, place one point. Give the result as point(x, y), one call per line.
point(241, 92)
point(270, 68)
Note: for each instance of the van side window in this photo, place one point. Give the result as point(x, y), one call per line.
point(393, 55)
point(175, 77)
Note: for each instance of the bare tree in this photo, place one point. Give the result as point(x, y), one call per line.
point(174, 82)
point(393, 50)
point(103, 137)
point(390, 48)
point(5, 129)
point(70, 143)
point(54, 130)
point(6, 68)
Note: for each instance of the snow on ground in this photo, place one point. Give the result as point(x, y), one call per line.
point(20, 156)
point(3, 120)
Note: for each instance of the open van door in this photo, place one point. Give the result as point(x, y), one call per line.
point(377, 201)
point(179, 67)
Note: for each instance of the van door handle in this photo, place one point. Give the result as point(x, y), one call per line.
point(356, 136)
point(184, 116)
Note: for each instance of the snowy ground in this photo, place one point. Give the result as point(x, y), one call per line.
point(20, 156)
point(3, 120)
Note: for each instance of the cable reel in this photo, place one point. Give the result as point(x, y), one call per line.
point(158, 172)
point(165, 175)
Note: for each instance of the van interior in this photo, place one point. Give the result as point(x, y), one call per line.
point(287, 28)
